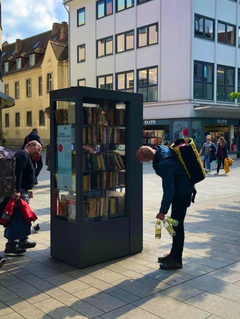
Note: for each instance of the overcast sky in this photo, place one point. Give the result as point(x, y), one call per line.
point(22, 19)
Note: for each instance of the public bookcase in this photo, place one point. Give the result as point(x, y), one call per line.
point(96, 181)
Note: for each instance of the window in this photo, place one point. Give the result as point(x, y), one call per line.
point(32, 59)
point(17, 119)
point(147, 35)
point(41, 118)
point(17, 90)
point(81, 53)
point(104, 8)
point(6, 89)
point(226, 33)
point(7, 120)
point(82, 82)
point(125, 81)
point(124, 4)
point(148, 84)
point(142, 1)
point(80, 17)
point(104, 47)
point(204, 27)
point(49, 82)
point(203, 80)
point(40, 86)
point(6, 67)
point(225, 83)
point(125, 41)
point(105, 82)
point(28, 88)
point(18, 63)
point(29, 118)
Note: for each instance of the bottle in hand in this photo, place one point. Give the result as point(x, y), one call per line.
point(158, 229)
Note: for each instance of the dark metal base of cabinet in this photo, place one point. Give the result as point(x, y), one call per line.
point(94, 243)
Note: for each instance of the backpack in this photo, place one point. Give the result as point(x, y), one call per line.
point(7, 172)
point(187, 153)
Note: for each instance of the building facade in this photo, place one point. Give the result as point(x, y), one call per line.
point(5, 100)
point(33, 67)
point(183, 56)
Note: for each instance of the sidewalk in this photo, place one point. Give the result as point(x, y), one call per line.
point(208, 286)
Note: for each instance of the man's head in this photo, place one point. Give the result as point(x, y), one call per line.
point(145, 154)
point(33, 148)
point(35, 130)
point(208, 138)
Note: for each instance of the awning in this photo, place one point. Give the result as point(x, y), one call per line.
point(6, 101)
point(217, 108)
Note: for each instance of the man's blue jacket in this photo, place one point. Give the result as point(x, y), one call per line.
point(175, 180)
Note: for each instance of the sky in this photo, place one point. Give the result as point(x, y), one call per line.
point(22, 19)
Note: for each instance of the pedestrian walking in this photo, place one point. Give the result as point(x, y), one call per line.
point(177, 193)
point(207, 148)
point(25, 179)
point(38, 162)
point(222, 153)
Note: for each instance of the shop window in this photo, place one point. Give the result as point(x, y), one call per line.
point(154, 137)
point(17, 90)
point(125, 81)
point(225, 83)
point(203, 80)
point(17, 119)
point(7, 124)
point(80, 17)
point(204, 27)
point(148, 83)
point(104, 8)
point(125, 41)
point(105, 82)
point(124, 4)
point(104, 47)
point(226, 33)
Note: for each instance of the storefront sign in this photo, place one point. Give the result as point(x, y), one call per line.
point(149, 122)
point(221, 121)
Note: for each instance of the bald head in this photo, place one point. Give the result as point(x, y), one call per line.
point(145, 154)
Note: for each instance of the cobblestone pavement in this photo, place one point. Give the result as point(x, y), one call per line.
point(208, 286)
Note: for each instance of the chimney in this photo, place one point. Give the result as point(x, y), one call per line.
point(63, 30)
point(55, 26)
point(18, 45)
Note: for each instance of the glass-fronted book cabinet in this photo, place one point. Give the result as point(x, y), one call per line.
point(96, 181)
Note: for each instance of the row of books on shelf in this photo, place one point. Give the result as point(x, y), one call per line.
point(111, 206)
point(105, 180)
point(102, 134)
point(111, 116)
point(99, 161)
point(152, 141)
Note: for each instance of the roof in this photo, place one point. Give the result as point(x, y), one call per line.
point(36, 44)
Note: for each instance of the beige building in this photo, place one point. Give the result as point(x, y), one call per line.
point(31, 69)
point(5, 100)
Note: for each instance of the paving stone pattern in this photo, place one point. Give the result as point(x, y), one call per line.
point(208, 286)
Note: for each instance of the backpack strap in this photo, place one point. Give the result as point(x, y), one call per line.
point(13, 172)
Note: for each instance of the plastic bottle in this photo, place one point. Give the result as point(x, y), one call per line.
point(169, 228)
point(158, 229)
point(172, 221)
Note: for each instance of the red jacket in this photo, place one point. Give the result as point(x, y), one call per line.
point(27, 214)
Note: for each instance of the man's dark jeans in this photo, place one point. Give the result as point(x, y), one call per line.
point(179, 209)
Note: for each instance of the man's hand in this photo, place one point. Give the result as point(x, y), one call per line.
point(16, 195)
point(160, 216)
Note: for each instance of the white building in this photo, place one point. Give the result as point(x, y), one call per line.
point(183, 55)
